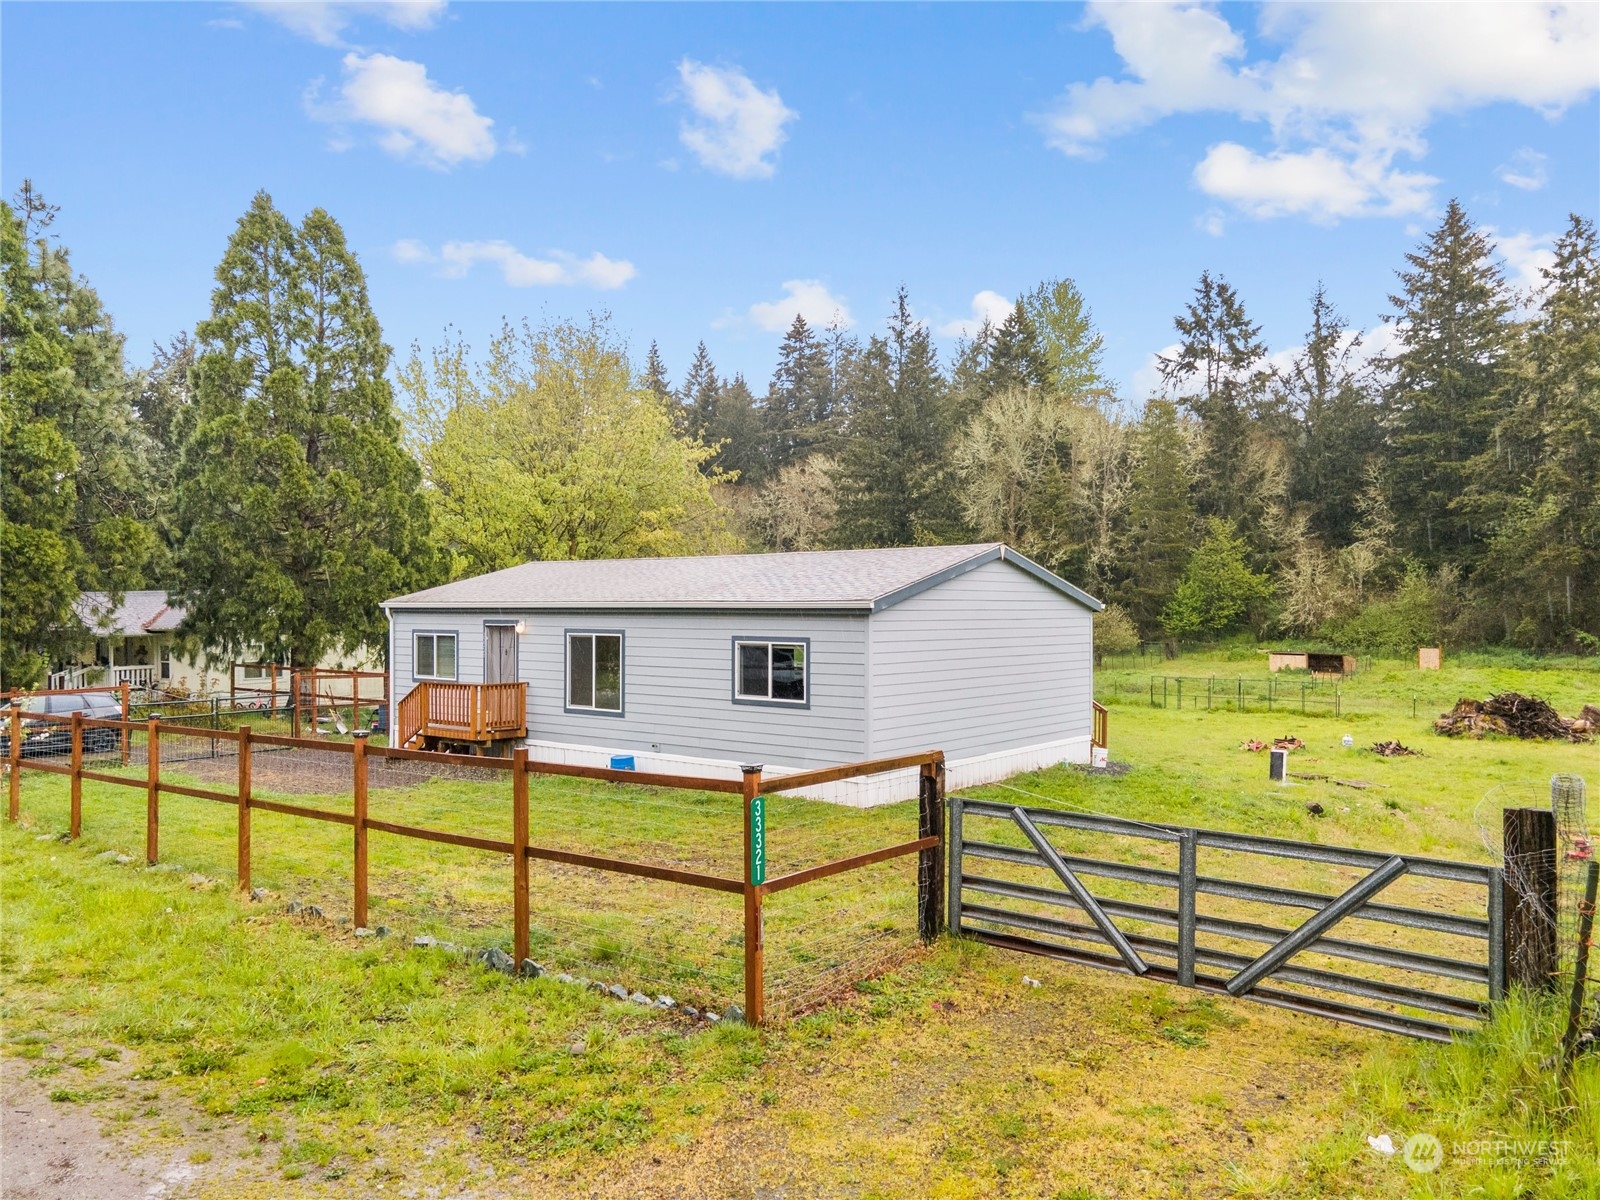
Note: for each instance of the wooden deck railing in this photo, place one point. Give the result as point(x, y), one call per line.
point(468, 712)
point(1100, 735)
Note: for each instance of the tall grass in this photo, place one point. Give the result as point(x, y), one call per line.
point(1506, 1123)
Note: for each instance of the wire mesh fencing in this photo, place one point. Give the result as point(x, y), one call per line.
point(646, 882)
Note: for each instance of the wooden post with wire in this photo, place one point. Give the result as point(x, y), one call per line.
point(519, 855)
point(152, 793)
point(755, 870)
point(1580, 971)
point(1529, 843)
point(127, 715)
point(358, 759)
point(14, 763)
point(930, 862)
point(75, 813)
point(244, 808)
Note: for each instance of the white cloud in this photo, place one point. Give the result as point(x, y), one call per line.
point(986, 306)
point(1526, 255)
point(1526, 170)
point(325, 23)
point(1354, 86)
point(416, 119)
point(738, 128)
point(1147, 379)
point(1316, 183)
point(559, 269)
point(807, 298)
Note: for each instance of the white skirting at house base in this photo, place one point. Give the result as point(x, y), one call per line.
point(866, 792)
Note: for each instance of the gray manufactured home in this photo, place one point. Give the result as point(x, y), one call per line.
point(795, 661)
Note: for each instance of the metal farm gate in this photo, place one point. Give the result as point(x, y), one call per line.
point(1206, 909)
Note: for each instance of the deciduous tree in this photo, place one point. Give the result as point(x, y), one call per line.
point(549, 448)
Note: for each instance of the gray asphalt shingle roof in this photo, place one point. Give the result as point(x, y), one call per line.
point(858, 580)
point(139, 613)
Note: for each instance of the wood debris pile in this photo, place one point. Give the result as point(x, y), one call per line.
point(1256, 745)
point(1394, 749)
point(1516, 715)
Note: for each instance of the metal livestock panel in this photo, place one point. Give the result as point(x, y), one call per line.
point(1425, 971)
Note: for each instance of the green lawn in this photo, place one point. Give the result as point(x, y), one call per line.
point(345, 1066)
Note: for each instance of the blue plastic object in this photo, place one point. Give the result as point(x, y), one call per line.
point(622, 762)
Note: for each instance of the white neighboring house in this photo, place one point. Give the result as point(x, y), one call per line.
point(135, 642)
point(796, 661)
point(140, 641)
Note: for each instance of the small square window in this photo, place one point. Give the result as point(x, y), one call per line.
point(773, 672)
point(435, 656)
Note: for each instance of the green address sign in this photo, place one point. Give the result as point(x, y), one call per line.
point(758, 840)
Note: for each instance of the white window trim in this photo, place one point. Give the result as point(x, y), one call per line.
point(435, 634)
point(802, 644)
point(594, 668)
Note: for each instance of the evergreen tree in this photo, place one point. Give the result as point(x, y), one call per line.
point(1072, 348)
point(892, 484)
point(1160, 516)
point(969, 375)
point(1329, 393)
point(655, 375)
point(1540, 477)
point(1218, 591)
point(1452, 317)
point(799, 416)
point(72, 514)
point(697, 398)
point(736, 429)
point(298, 512)
point(1218, 373)
point(164, 402)
point(1017, 357)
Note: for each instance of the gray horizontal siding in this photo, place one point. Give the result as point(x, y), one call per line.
point(677, 682)
point(989, 660)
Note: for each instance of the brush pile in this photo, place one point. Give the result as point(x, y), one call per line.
point(1394, 749)
point(1518, 716)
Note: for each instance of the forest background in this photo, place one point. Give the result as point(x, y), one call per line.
point(281, 474)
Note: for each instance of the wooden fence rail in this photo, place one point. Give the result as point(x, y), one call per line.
point(753, 887)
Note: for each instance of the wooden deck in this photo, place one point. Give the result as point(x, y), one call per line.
point(433, 715)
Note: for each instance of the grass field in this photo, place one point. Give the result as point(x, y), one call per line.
point(287, 1057)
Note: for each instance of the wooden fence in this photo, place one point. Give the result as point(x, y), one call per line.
point(753, 888)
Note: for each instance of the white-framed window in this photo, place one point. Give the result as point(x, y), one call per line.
point(771, 672)
point(435, 656)
point(166, 660)
point(255, 671)
point(594, 671)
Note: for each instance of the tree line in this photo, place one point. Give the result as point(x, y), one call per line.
point(280, 475)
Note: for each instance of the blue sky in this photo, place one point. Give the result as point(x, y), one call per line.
point(704, 171)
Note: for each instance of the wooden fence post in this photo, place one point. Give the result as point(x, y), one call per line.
point(244, 808)
point(519, 854)
point(294, 703)
point(930, 862)
point(152, 789)
point(358, 758)
point(754, 854)
point(75, 817)
point(14, 760)
point(1529, 840)
point(127, 715)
